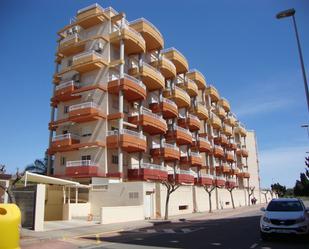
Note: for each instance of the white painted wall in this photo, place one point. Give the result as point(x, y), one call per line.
point(110, 215)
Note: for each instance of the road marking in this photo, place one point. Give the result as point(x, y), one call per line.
point(98, 238)
point(174, 241)
point(169, 231)
point(151, 231)
point(138, 238)
point(254, 245)
point(186, 230)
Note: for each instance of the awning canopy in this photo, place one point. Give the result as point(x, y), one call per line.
point(32, 177)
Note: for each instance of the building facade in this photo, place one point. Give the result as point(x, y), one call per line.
point(127, 110)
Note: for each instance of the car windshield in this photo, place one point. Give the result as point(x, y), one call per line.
point(283, 206)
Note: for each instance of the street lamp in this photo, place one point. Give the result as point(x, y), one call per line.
point(288, 13)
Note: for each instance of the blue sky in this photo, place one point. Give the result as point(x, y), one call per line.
point(239, 46)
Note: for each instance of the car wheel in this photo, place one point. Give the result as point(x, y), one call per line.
point(264, 236)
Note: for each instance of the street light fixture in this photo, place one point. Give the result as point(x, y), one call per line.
point(288, 13)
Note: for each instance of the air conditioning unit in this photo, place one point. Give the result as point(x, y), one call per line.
point(98, 47)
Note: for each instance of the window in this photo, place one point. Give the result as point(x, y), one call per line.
point(115, 103)
point(133, 195)
point(86, 131)
point(65, 109)
point(114, 128)
point(70, 61)
point(65, 132)
point(62, 161)
point(183, 207)
point(99, 187)
point(86, 158)
point(114, 159)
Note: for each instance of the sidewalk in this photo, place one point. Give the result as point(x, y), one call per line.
point(58, 237)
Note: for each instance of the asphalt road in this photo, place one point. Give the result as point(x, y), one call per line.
point(235, 232)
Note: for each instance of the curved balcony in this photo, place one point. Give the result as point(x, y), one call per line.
point(218, 151)
point(213, 93)
point(71, 44)
point(243, 175)
point(223, 169)
point(231, 120)
point(235, 171)
point(134, 43)
point(85, 112)
point(190, 87)
point(221, 140)
point(192, 122)
point(86, 62)
point(181, 135)
point(166, 67)
point(151, 122)
point(150, 76)
point(147, 172)
point(229, 156)
point(152, 36)
point(225, 104)
point(177, 58)
point(82, 169)
point(167, 107)
point(220, 112)
point(90, 16)
point(133, 88)
point(64, 141)
point(194, 159)
point(242, 152)
point(64, 91)
point(204, 180)
point(227, 130)
point(215, 121)
point(198, 77)
point(219, 181)
point(230, 183)
point(181, 98)
point(130, 141)
point(241, 131)
point(201, 111)
point(232, 146)
point(182, 176)
point(203, 145)
point(169, 152)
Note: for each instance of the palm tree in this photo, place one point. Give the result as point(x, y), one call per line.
point(39, 166)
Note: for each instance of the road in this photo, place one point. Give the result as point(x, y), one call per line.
point(235, 232)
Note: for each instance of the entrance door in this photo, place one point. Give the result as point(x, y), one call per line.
point(148, 206)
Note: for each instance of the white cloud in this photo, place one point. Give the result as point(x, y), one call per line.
point(282, 165)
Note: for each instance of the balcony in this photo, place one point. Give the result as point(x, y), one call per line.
point(130, 141)
point(182, 176)
point(230, 183)
point(190, 87)
point(150, 76)
point(203, 145)
point(181, 135)
point(225, 104)
point(215, 121)
point(220, 112)
point(213, 93)
point(229, 156)
point(192, 122)
point(82, 169)
point(177, 58)
point(148, 172)
point(223, 169)
point(169, 152)
point(90, 16)
point(221, 140)
point(167, 107)
point(134, 43)
point(198, 77)
point(227, 130)
point(64, 141)
point(243, 175)
point(230, 120)
point(167, 68)
point(71, 44)
point(64, 91)
point(232, 146)
point(235, 171)
point(86, 62)
point(85, 112)
point(181, 98)
point(241, 131)
point(152, 36)
point(219, 181)
point(242, 152)
point(201, 111)
point(218, 151)
point(204, 180)
point(133, 88)
point(194, 159)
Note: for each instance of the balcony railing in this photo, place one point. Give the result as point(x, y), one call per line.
point(220, 178)
point(171, 49)
point(83, 106)
point(193, 117)
point(197, 71)
point(154, 69)
point(65, 136)
point(66, 84)
point(183, 130)
point(80, 163)
point(202, 139)
point(184, 172)
point(146, 21)
point(181, 90)
point(71, 37)
point(95, 5)
point(128, 132)
point(85, 54)
point(129, 77)
point(195, 154)
point(148, 112)
point(168, 101)
point(150, 166)
point(167, 61)
point(206, 176)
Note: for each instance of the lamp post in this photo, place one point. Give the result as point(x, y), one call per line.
point(288, 13)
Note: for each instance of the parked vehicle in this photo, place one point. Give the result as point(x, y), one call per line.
point(284, 216)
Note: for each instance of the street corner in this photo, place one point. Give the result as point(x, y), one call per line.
point(55, 244)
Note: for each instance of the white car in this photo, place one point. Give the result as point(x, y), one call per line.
point(284, 216)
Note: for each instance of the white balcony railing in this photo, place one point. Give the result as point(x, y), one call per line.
point(80, 163)
point(172, 49)
point(148, 112)
point(128, 132)
point(185, 172)
point(152, 166)
point(202, 139)
point(218, 147)
point(155, 70)
point(83, 106)
point(182, 129)
point(231, 180)
point(66, 84)
point(193, 117)
point(222, 178)
point(197, 71)
point(65, 136)
point(169, 102)
point(203, 175)
point(129, 77)
point(85, 54)
point(195, 154)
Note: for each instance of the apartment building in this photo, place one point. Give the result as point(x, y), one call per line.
point(127, 110)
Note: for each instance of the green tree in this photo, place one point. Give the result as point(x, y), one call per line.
point(39, 166)
point(279, 189)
